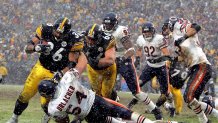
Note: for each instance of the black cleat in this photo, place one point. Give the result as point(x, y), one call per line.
point(172, 112)
point(157, 113)
point(133, 102)
point(209, 121)
point(76, 121)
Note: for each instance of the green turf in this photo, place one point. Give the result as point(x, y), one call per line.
point(33, 114)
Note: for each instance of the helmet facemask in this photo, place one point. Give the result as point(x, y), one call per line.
point(110, 22)
point(47, 88)
point(109, 27)
point(148, 31)
point(61, 27)
point(166, 30)
point(92, 35)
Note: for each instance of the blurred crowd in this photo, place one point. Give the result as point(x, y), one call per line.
point(19, 19)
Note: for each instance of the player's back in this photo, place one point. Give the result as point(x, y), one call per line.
point(71, 97)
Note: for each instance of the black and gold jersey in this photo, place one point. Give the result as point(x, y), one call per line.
point(57, 58)
point(178, 74)
point(103, 43)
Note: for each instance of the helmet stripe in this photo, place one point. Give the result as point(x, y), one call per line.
point(91, 31)
point(60, 28)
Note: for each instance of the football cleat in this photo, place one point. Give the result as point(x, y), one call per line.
point(157, 113)
point(172, 112)
point(12, 120)
point(45, 118)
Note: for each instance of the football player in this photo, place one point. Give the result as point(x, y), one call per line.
point(70, 97)
point(99, 48)
point(184, 34)
point(124, 53)
point(178, 75)
point(58, 46)
point(155, 48)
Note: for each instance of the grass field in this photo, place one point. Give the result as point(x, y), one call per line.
point(33, 114)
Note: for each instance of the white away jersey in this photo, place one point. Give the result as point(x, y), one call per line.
point(71, 97)
point(191, 51)
point(152, 49)
point(119, 33)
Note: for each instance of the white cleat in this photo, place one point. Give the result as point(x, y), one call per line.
point(45, 118)
point(12, 120)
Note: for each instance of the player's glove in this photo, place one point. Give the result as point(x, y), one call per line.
point(42, 48)
point(57, 76)
point(180, 40)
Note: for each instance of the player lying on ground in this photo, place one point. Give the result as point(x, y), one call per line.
point(70, 97)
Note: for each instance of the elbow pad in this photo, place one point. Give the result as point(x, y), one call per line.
point(196, 27)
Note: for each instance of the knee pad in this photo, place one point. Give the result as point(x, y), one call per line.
point(141, 96)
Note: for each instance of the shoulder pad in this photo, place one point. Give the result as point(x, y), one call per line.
point(77, 41)
point(123, 31)
point(140, 42)
point(162, 43)
point(39, 31)
point(112, 43)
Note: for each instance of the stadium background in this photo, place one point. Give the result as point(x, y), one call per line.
point(19, 19)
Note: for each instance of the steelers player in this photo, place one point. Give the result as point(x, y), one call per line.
point(58, 46)
point(99, 48)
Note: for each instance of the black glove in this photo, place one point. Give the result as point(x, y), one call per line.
point(93, 62)
point(57, 76)
point(180, 40)
point(42, 48)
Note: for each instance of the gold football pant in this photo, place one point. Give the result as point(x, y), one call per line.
point(178, 99)
point(37, 74)
point(102, 81)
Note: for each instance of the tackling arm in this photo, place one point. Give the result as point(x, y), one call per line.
point(191, 31)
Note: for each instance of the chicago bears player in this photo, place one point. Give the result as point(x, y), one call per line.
point(184, 33)
point(124, 61)
point(70, 97)
point(99, 48)
point(156, 52)
point(58, 46)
